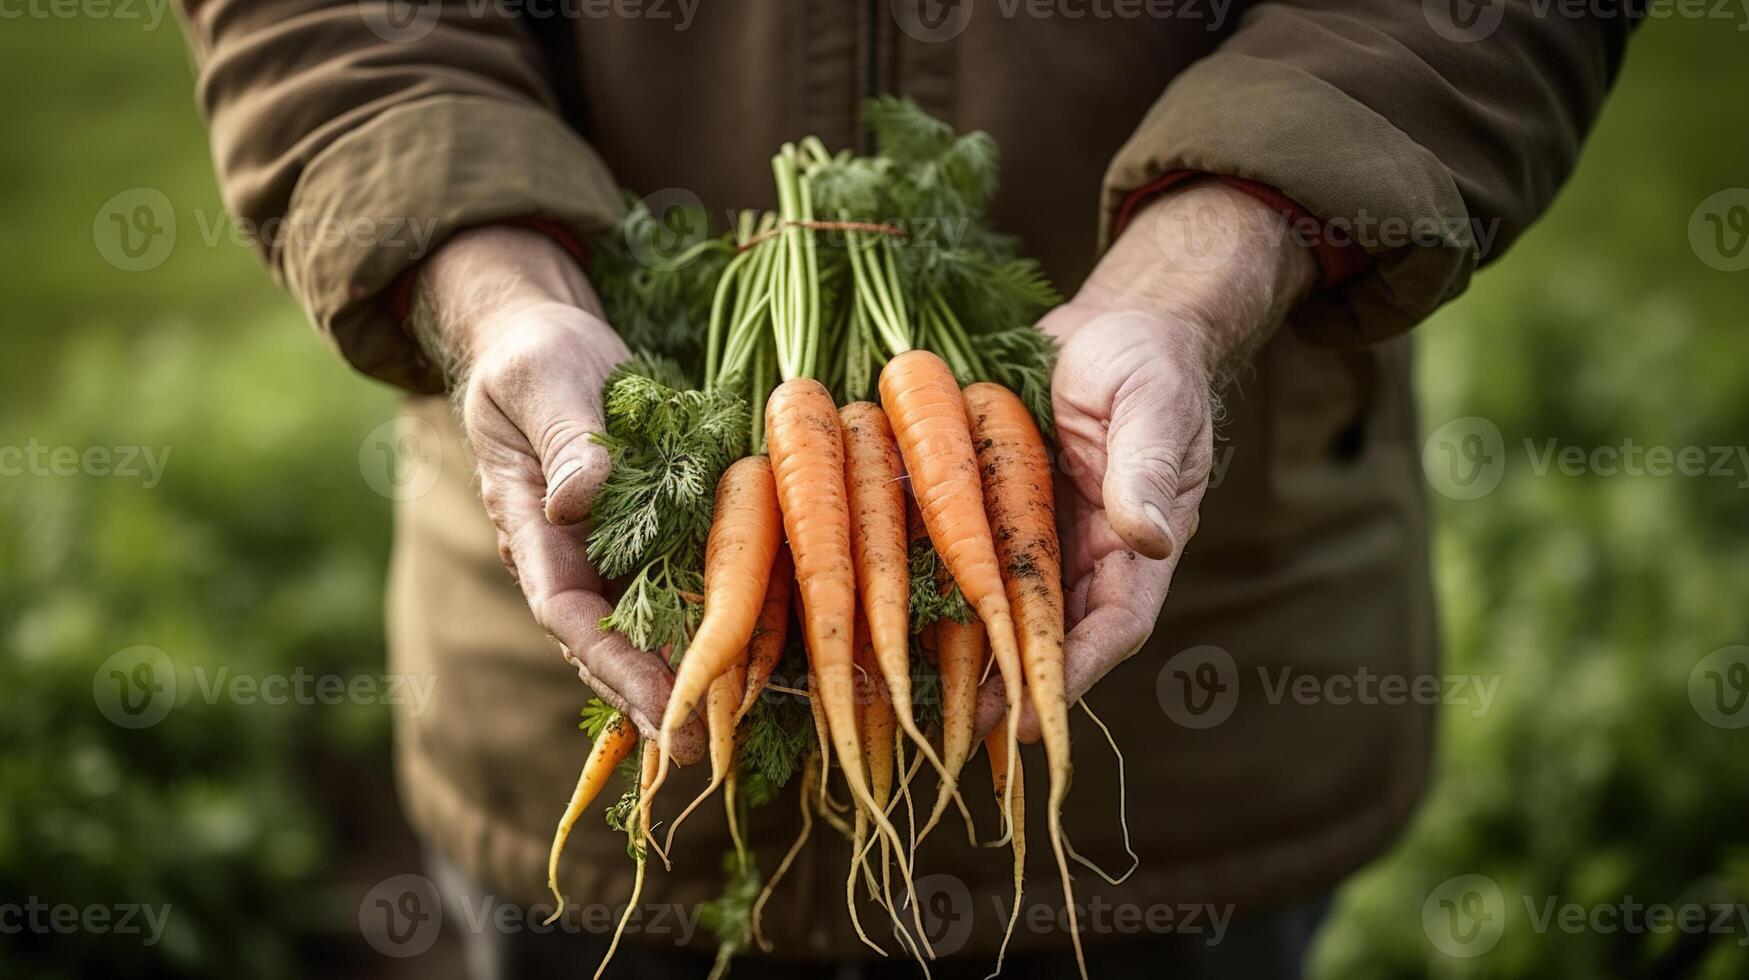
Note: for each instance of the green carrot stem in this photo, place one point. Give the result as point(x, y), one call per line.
point(893, 326)
point(896, 285)
point(719, 302)
point(761, 386)
point(811, 272)
point(950, 328)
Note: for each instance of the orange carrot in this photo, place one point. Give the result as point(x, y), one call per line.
point(720, 703)
point(874, 478)
point(878, 722)
point(768, 636)
point(928, 414)
point(738, 556)
point(1022, 511)
point(807, 461)
point(611, 747)
point(959, 656)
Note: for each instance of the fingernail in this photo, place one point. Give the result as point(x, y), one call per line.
point(566, 470)
point(1158, 519)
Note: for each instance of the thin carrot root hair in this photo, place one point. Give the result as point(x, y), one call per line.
point(1000, 763)
point(651, 766)
point(731, 785)
point(1123, 818)
point(811, 773)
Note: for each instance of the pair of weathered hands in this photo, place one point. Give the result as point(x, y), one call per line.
point(1197, 277)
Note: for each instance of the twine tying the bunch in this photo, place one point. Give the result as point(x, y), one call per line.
point(872, 227)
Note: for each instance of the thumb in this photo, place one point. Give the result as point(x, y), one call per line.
point(1158, 449)
point(572, 463)
point(545, 380)
point(550, 385)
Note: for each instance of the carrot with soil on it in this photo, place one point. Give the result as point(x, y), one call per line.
point(928, 414)
point(807, 460)
point(1021, 505)
point(874, 478)
point(744, 536)
point(720, 703)
point(611, 747)
point(960, 657)
point(766, 649)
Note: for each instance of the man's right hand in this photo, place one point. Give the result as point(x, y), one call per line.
point(520, 334)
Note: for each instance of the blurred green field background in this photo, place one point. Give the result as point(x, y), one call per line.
point(1592, 778)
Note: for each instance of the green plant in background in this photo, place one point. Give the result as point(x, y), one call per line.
point(234, 568)
point(1590, 780)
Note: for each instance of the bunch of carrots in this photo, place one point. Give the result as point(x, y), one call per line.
point(896, 484)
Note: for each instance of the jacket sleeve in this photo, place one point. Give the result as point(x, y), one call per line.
point(1433, 139)
point(356, 135)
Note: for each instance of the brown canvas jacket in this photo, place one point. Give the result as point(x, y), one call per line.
point(1312, 553)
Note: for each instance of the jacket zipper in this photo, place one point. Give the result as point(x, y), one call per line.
point(872, 84)
point(871, 81)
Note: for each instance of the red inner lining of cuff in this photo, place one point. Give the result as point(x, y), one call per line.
point(1336, 263)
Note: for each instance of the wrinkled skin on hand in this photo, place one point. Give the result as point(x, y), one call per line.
point(522, 332)
point(1144, 342)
